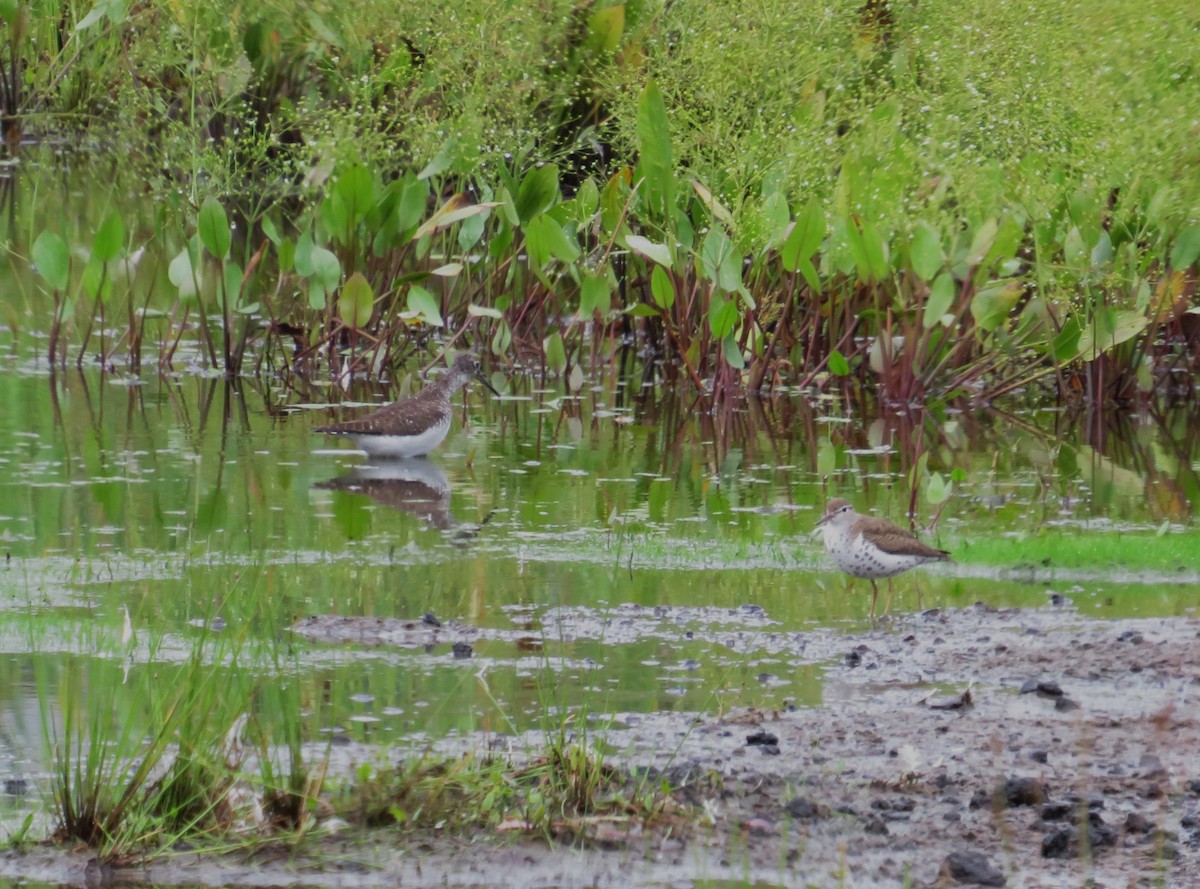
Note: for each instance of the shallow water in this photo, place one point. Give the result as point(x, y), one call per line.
point(144, 519)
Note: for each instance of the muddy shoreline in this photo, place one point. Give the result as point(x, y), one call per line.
point(1033, 748)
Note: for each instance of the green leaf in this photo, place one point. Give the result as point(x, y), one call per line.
point(869, 251)
point(925, 252)
point(612, 201)
point(804, 239)
point(733, 352)
point(982, 242)
point(181, 272)
point(302, 259)
point(52, 257)
point(1065, 346)
point(1075, 251)
point(538, 192)
point(502, 338)
point(425, 305)
point(270, 230)
point(595, 295)
point(1109, 328)
point(605, 28)
point(556, 355)
point(214, 228)
point(483, 311)
point(719, 211)
point(1186, 249)
point(654, 150)
point(721, 263)
point(544, 238)
point(662, 288)
point(587, 200)
point(232, 284)
point(356, 301)
point(410, 207)
point(937, 489)
point(659, 253)
point(722, 316)
point(991, 306)
point(939, 301)
point(110, 238)
point(838, 364)
point(326, 272)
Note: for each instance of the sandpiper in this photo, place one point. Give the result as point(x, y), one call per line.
point(412, 427)
point(864, 546)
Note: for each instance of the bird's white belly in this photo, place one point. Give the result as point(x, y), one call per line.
point(858, 558)
point(403, 446)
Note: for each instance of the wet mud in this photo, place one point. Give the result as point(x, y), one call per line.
point(1030, 748)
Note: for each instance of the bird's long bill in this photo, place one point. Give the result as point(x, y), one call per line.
point(479, 376)
point(823, 519)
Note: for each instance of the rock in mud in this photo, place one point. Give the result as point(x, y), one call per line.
point(462, 650)
point(762, 738)
point(973, 868)
point(1022, 792)
point(805, 809)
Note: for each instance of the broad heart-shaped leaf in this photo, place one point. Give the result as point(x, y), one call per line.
point(97, 283)
point(982, 242)
point(660, 253)
point(502, 338)
point(838, 364)
point(587, 200)
point(183, 272)
point(992, 305)
point(595, 295)
point(805, 237)
point(1065, 345)
point(722, 316)
point(424, 304)
point(1109, 328)
point(109, 239)
point(53, 259)
point(872, 260)
point(732, 352)
point(605, 28)
point(545, 239)
point(556, 355)
point(214, 228)
point(925, 251)
point(662, 288)
point(410, 205)
point(538, 192)
point(939, 301)
point(1186, 249)
point(937, 489)
point(232, 285)
point(303, 257)
point(720, 261)
point(326, 272)
point(355, 192)
point(356, 301)
point(654, 149)
point(1075, 251)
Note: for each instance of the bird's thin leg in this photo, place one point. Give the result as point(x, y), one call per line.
point(874, 596)
point(887, 606)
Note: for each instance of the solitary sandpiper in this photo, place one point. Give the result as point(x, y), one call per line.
point(864, 546)
point(412, 427)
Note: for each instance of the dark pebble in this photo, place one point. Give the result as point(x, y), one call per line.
point(804, 809)
point(766, 677)
point(1022, 792)
point(769, 749)
point(1188, 822)
point(1065, 704)
point(16, 786)
point(1056, 811)
point(430, 620)
point(1058, 600)
point(1039, 756)
point(462, 650)
point(876, 826)
point(1194, 787)
point(1057, 843)
point(972, 867)
point(853, 659)
point(1132, 636)
point(1135, 822)
point(755, 610)
point(1151, 766)
point(761, 738)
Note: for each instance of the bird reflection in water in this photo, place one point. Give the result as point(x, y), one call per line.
point(416, 485)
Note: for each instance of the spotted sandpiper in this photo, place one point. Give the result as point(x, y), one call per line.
point(412, 427)
point(864, 546)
